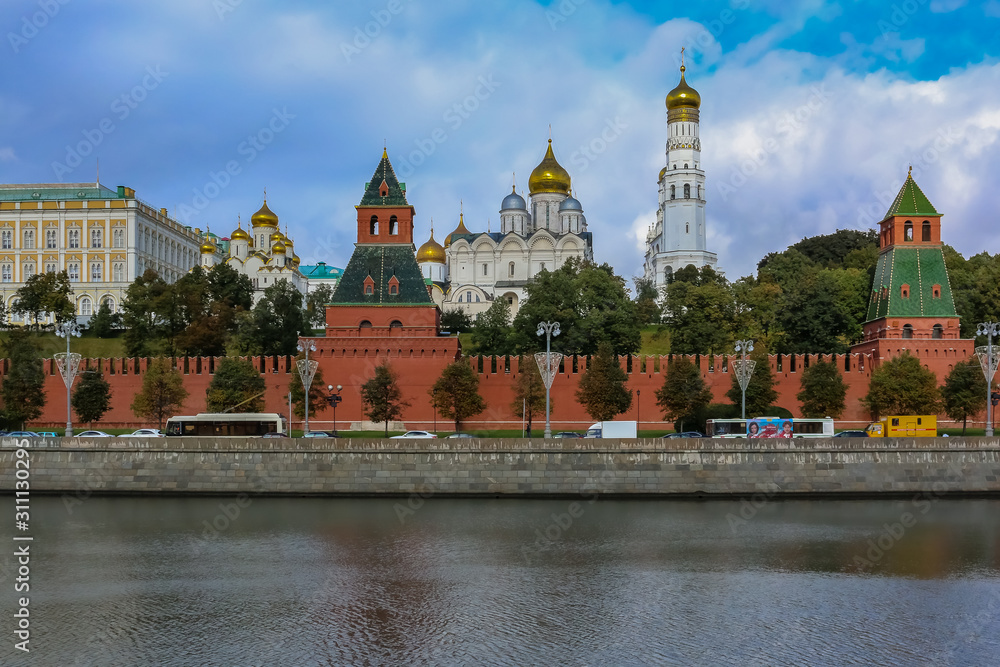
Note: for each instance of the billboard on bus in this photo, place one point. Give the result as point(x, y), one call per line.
point(769, 427)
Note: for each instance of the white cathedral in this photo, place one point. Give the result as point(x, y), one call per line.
point(677, 239)
point(473, 269)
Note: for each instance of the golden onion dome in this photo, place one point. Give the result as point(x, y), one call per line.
point(549, 175)
point(431, 251)
point(239, 234)
point(662, 172)
point(683, 95)
point(265, 217)
point(458, 230)
point(295, 259)
point(278, 247)
point(207, 248)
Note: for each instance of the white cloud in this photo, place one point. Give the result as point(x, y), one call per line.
point(7, 154)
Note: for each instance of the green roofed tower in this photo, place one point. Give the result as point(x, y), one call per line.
point(911, 306)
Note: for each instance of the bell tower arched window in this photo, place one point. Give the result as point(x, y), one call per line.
point(907, 331)
point(908, 231)
point(687, 190)
point(926, 233)
point(673, 192)
point(393, 226)
point(938, 331)
point(374, 226)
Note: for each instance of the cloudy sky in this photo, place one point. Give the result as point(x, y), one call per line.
point(812, 110)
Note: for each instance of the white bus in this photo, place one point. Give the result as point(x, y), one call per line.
point(226, 424)
point(802, 427)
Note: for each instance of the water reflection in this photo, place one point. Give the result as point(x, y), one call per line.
point(332, 581)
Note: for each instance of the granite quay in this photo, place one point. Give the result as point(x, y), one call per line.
point(77, 468)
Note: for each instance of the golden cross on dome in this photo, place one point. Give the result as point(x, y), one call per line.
point(682, 59)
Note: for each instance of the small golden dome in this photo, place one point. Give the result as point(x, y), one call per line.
point(265, 217)
point(458, 230)
point(662, 172)
point(295, 259)
point(431, 251)
point(549, 175)
point(277, 236)
point(683, 95)
point(207, 248)
point(278, 248)
point(239, 235)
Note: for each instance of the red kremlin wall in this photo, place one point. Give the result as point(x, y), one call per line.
point(419, 367)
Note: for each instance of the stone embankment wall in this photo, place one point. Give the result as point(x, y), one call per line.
point(498, 467)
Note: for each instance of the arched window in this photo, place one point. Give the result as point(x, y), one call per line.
point(393, 289)
point(86, 307)
point(685, 165)
point(687, 190)
point(395, 324)
point(907, 331)
point(365, 324)
point(926, 234)
point(110, 302)
point(699, 191)
point(687, 227)
point(510, 270)
point(668, 274)
point(374, 226)
point(908, 231)
point(673, 192)
point(938, 331)
point(393, 226)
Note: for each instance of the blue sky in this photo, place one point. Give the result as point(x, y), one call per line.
point(811, 110)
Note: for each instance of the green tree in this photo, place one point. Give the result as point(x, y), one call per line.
point(761, 394)
point(815, 317)
point(236, 387)
point(275, 324)
point(316, 302)
point(456, 320)
point(104, 323)
point(381, 396)
point(92, 397)
point(964, 391)
point(44, 293)
point(317, 393)
point(455, 395)
point(139, 314)
point(163, 392)
point(684, 394)
point(822, 390)
point(646, 296)
point(491, 331)
point(901, 386)
point(23, 389)
point(529, 392)
point(602, 391)
point(700, 312)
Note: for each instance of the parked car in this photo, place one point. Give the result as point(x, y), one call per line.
point(566, 434)
point(93, 434)
point(146, 433)
point(275, 434)
point(685, 434)
point(22, 434)
point(414, 434)
point(461, 435)
point(48, 434)
point(319, 434)
point(851, 434)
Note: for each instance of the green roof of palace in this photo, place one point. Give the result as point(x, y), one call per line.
point(911, 201)
point(382, 262)
point(320, 270)
point(56, 191)
point(921, 269)
point(396, 195)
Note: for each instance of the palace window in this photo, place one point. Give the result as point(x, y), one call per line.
point(96, 272)
point(27, 270)
point(73, 236)
point(96, 238)
point(50, 238)
point(118, 272)
point(118, 238)
point(86, 307)
point(50, 267)
point(73, 270)
point(6, 239)
point(29, 239)
point(7, 273)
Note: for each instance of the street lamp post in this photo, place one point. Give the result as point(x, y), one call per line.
point(989, 364)
point(548, 329)
point(307, 370)
point(638, 419)
point(68, 365)
point(334, 399)
point(744, 371)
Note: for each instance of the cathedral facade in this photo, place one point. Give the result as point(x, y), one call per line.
point(677, 239)
point(473, 269)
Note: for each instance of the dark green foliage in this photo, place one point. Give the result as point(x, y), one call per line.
point(45, 293)
point(700, 312)
point(646, 296)
point(901, 386)
point(822, 390)
point(964, 391)
point(456, 320)
point(316, 305)
point(830, 250)
point(275, 323)
point(529, 393)
point(381, 396)
point(236, 387)
point(317, 393)
point(22, 391)
point(104, 323)
point(163, 392)
point(455, 395)
point(139, 314)
point(602, 391)
point(760, 392)
point(591, 305)
point(684, 394)
point(491, 333)
point(92, 397)
point(814, 316)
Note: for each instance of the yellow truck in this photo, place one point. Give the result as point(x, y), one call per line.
point(920, 426)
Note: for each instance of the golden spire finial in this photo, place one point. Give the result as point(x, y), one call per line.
point(682, 61)
point(265, 194)
point(909, 172)
point(513, 179)
point(432, 227)
point(239, 221)
point(550, 133)
point(385, 153)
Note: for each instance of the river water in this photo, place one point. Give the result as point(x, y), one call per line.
point(291, 581)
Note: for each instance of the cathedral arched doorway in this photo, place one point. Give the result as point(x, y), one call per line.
point(512, 302)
